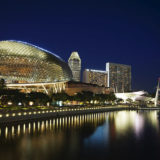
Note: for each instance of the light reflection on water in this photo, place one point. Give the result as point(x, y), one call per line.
point(11, 131)
point(97, 135)
point(135, 121)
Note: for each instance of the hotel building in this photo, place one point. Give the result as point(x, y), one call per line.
point(119, 77)
point(97, 77)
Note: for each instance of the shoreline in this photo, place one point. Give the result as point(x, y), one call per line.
point(50, 113)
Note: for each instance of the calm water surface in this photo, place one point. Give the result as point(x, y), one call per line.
point(112, 135)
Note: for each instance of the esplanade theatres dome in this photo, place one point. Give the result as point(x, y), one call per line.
point(21, 62)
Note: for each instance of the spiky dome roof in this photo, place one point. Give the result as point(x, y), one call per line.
point(21, 61)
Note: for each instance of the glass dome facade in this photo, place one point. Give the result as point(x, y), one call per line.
point(21, 62)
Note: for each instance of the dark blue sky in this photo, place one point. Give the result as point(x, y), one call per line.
point(119, 31)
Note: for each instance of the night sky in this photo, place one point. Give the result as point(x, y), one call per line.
point(126, 32)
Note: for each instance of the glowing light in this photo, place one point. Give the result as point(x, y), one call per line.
point(123, 120)
point(6, 132)
point(29, 127)
point(38, 126)
point(7, 115)
point(18, 130)
point(138, 125)
point(24, 128)
point(10, 103)
point(34, 127)
point(19, 103)
point(31, 103)
point(13, 114)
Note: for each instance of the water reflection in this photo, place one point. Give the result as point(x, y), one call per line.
point(98, 136)
point(10, 131)
point(133, 120)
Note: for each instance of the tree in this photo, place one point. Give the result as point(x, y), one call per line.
point(118, 100)
point(78, 97)
point(87, 96)
point(12, 95)
point(39, 98)
point(60, 96)
point(2, 84)
point(102, 98)
point(111, 97)
point(129, 100)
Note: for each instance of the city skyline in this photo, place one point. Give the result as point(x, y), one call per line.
point(125, 33)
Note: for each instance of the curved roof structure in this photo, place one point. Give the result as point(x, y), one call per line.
point(135, 96)
point(23, 62)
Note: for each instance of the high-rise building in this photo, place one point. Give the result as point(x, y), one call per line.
point(74, 62)
point(95, 77)
point(73, 88)
point(119, 77)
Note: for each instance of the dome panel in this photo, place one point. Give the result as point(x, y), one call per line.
point(22, 62)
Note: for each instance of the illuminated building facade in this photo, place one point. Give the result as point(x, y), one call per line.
point(23, 63)
point(74, 62)
point(73, 88)
point(135, 96)
point(97, 77)
point(119, 77)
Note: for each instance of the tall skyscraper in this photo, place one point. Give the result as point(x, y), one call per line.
point(74, 62)
point(95, 77)
point(119, 77)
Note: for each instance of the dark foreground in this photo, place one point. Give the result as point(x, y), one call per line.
point(110, 135)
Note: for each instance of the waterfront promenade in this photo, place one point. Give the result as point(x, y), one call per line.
point(14, 116)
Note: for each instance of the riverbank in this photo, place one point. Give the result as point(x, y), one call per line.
point(39, 114)
point(14, 116)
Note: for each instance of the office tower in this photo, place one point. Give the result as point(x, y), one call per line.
point(74, 62)
point(119, 77)
point(95, 77)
